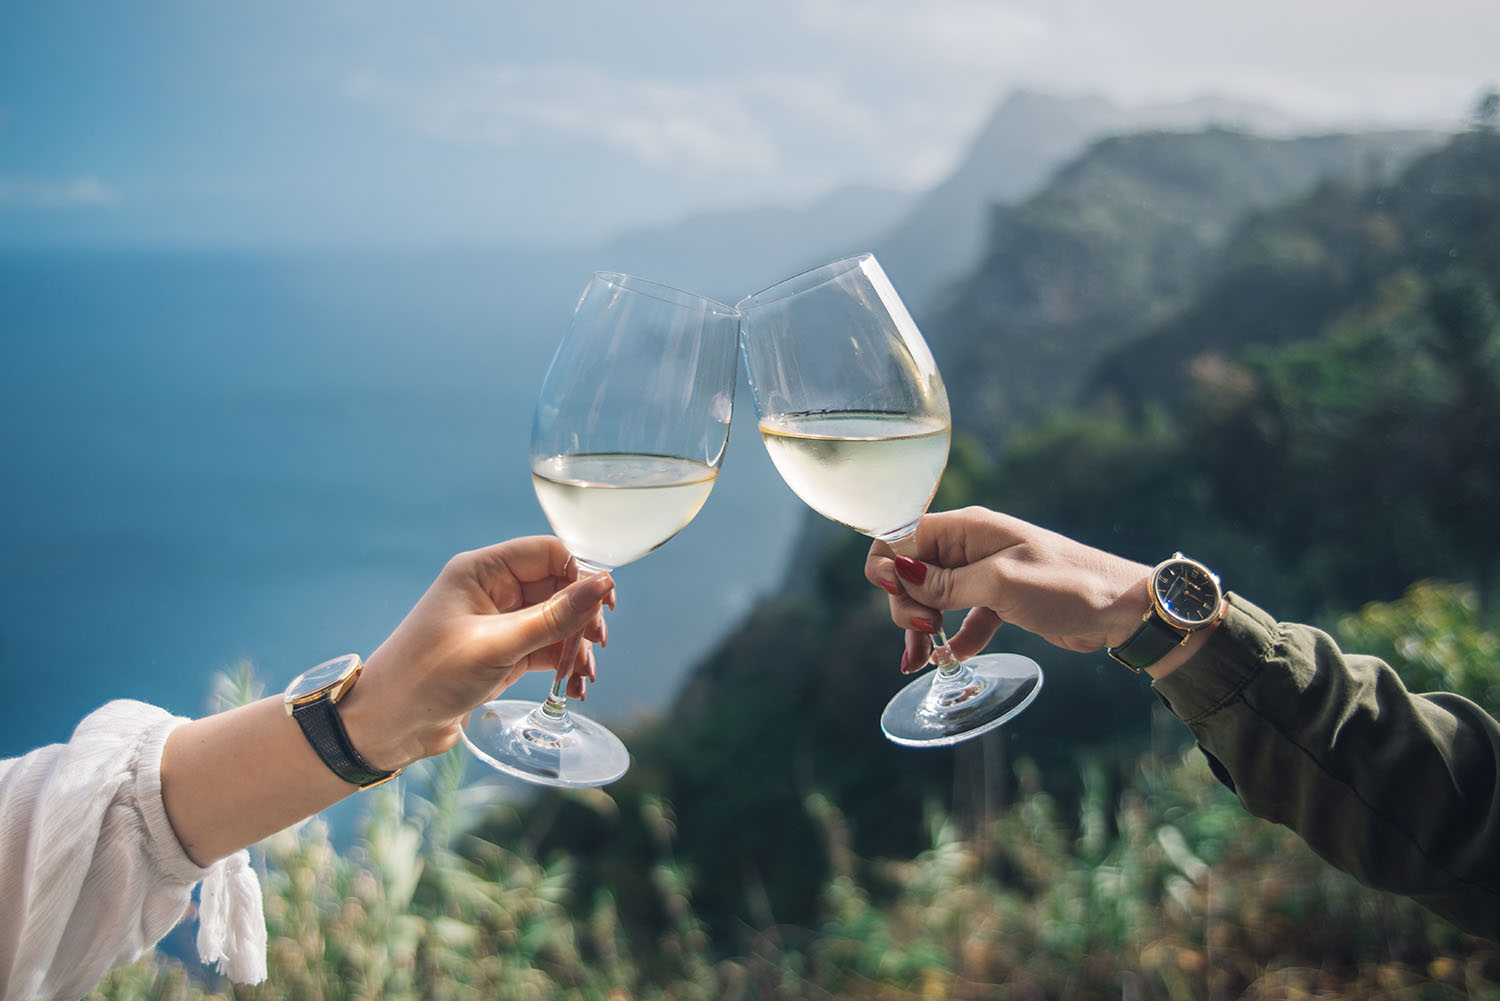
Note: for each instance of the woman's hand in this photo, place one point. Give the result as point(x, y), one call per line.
point(1006, 570)
point(492, 615)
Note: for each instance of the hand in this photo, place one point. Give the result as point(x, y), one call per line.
point(492, 615)
point(1006, 570)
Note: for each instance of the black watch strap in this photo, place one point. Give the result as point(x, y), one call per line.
point(325, 731)
point(1148, 644)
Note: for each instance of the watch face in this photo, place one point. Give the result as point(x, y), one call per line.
point(1187, 593)
point(315, 680)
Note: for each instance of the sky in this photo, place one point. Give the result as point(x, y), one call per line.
point(559, 123)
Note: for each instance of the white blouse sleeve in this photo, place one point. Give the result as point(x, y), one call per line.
point(92, 874)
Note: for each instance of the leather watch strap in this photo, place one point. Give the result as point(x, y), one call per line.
point(1148, 644)
point(325, 731)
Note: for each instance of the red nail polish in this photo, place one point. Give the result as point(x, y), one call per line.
point(911, 569)
point(890, 586)
point(924, 626)
point(903, 661)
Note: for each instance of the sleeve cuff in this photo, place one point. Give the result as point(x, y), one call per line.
point(1231, 660)
point(166, 851)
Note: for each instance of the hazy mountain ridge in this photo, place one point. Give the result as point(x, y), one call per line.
point(728, 255)
point(924, 238)
point(1027, 138)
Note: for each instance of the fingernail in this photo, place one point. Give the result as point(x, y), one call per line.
point(890, 586)
point(911, 569)
point(587, 593)
point(904, 658)
point(924, 626)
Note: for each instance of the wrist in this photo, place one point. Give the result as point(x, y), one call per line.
point(1131, 604)
point(384, 734)
point(1179, 656)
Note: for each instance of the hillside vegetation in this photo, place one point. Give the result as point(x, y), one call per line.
point(1331, 443)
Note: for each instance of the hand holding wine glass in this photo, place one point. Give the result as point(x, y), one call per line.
point(628, 437)
point(855, 417)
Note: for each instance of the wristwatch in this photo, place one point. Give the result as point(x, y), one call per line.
point(312, 700)
point(1185, 597)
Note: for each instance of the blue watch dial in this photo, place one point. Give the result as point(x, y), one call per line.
point(1187, 592)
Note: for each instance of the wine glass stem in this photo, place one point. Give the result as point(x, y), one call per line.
point(553, 713)
point(949, 666)
point(555, 708)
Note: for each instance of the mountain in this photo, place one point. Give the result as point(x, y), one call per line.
point(728, 255)
point(1117, 240)
point(1025, 140)
point(923, 240)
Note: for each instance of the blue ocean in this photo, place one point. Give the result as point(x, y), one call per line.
point(220, 457)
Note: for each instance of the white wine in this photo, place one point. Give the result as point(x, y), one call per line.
point(875, 472)
point(612, 509)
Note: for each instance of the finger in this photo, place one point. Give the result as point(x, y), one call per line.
point(974, 635)
point(918, 651)
point(958, 537)
point(578, 687)
point(597, 630)
point(880, 570)
point(589, 666)
point(515, 634)
point(531, 557)
point(940, 587)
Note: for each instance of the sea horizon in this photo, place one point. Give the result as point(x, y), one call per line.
point(266, 456)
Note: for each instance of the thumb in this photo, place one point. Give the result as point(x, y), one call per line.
point(975, 634)
point(569, 611)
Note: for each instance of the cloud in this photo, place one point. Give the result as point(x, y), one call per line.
point(810, 94)
point(801, 128)
point(687, 127)
point(79, 192)
point(947, 37)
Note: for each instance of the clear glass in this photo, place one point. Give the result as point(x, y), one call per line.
point(855, 417)
point(627, 440)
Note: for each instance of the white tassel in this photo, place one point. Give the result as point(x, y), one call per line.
point(231, 921)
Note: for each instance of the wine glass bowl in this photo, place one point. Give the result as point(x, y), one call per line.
point(855, 417)
point(628, 436)
point(850, 403)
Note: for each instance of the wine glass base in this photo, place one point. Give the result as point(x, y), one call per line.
point(574, 752)
point(1003, 684)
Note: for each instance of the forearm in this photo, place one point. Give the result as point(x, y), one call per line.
point(230, 779)
point(1398, 789)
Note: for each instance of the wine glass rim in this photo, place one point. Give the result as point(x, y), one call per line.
point(808, 280)
point(665, 293)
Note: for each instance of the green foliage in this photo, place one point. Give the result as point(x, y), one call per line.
point(1159, 882)
point(1117, 241)
point(1437, 639)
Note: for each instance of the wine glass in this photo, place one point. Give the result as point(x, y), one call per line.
point(855, 417)
point(628, 436)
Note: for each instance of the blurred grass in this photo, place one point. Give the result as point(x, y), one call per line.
point(1164, 889)
point(1157, 885)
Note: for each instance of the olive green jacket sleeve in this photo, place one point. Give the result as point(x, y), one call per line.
point(1398, 789)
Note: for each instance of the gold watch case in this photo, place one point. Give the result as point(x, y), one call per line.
point(332, 678)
